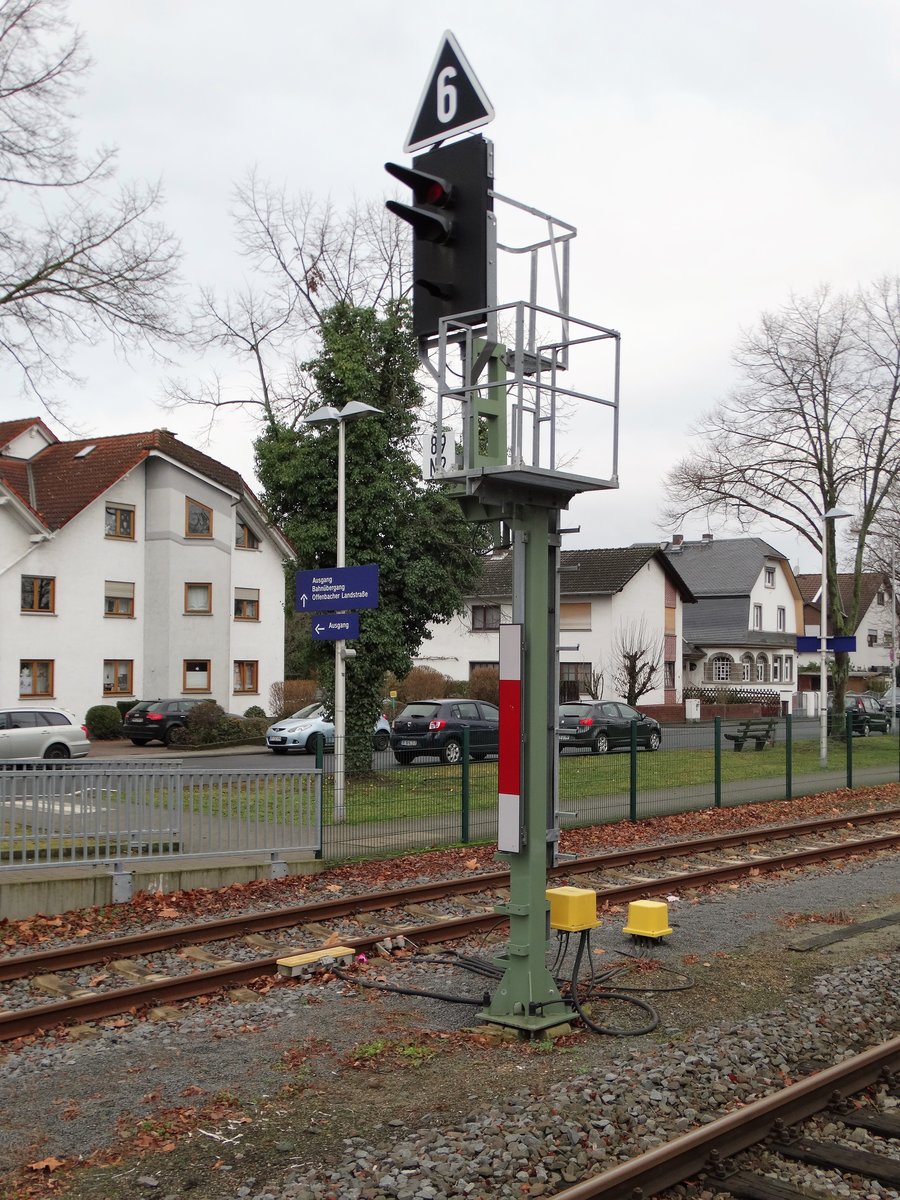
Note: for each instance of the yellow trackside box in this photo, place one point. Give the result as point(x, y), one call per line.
point(572, 908)
point(648, 918)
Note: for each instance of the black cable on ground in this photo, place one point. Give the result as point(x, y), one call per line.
point(592, 995)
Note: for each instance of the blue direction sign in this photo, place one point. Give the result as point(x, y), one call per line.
point(340, 627)
point(333, 589)
point(812, 645)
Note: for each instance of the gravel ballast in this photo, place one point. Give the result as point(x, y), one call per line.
point(459, 1125)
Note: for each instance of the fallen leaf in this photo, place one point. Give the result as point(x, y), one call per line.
point(47, 1164)
point(169, 912)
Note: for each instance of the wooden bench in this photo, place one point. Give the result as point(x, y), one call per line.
point(759, 730)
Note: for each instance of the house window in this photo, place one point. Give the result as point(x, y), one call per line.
point(574, 680)
point(575, 615)
point(38, 593)
point(198, 598)
point(770, 577)
point(119, 521)
point(245, 676)
point(245, 538)
point(776, 668)
point(721, 668)
point(668, 674)
point(746, 668)
point(196, 675)
point(788, 668)
point(762, 669)
point(485, 616)
point(478, 666)
point(872, 637)
point(198, 519)
point(781, 622)
point(246, 604)
point(36, 677)
point(117, 673)
point(757, 616)
point(880, 598)
point(118, 598)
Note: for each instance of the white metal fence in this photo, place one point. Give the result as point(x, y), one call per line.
point(90, 811)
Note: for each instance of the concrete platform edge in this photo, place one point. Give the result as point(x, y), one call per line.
point(53, 890)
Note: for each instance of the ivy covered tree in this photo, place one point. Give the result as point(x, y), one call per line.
point(414, 531)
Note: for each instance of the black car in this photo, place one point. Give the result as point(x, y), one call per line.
point(598, 725)
point(435, 727)
point(867, 714)
point(157, 720)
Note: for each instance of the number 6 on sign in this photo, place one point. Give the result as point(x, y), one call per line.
point(453, 100)
point(446, 95)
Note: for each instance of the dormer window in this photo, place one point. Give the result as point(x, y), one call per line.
point(198, 519)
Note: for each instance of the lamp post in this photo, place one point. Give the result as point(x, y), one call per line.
point(327, 414)
point(833, 514)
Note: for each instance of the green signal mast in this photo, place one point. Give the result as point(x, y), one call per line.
point(512, 379)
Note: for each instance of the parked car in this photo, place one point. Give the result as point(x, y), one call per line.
point(157, 720)
point(32, 734)
point(310, 725)
point(599, 725)
point(867, 714)
point(435, 727)
point(891, 700)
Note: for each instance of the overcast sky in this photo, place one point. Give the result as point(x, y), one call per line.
point(714, 156)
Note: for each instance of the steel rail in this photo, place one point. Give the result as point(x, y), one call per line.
point(665, 1166)
point(88, 953)
point(201, 983)
point(182, 987)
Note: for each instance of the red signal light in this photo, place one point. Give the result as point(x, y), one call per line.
point(434, 725)
point(437, 194)
point(586, 721)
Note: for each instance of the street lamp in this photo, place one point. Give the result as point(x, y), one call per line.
point(833, 514)
point(327, 414)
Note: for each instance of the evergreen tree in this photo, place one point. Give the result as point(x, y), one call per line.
point(412, 529)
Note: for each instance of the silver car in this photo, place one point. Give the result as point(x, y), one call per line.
point(309, 727)
point(32, 734)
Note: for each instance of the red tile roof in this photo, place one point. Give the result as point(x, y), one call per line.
point(10, 430)
point(870, 584)
point(57, 485)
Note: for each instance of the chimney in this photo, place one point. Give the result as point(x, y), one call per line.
point(707, 537)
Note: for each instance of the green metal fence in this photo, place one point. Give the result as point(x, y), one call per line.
point(428, 804)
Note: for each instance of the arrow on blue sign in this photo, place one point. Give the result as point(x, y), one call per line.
point(334, 589)
point(342, 627)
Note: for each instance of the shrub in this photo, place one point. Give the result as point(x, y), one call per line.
point(484, 684)
point(124, 705)
point(209, 723)
point(255, 711)
point(104, 721)
point(422, 683)
point(285, 698)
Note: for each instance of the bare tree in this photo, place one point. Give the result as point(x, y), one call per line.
point(594, 687)
point(814, 425)
point(75, 264)
point(635, 660)
point(306, 257)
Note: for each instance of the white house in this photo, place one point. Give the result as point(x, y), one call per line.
point(874, 654)
point(605, 596)
point(133, 567)
point(742, 631)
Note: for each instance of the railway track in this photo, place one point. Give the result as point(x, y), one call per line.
point(768, 1129)
point(247, 950)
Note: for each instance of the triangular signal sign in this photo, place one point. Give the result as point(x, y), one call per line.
point(453, 100)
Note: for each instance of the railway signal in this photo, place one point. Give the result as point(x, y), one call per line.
point(452, 222)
